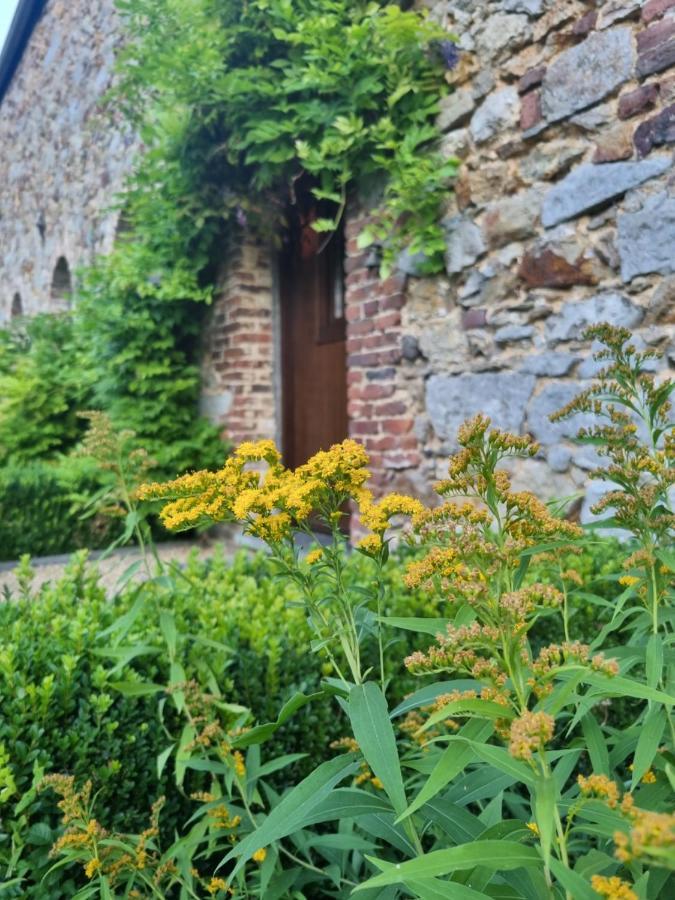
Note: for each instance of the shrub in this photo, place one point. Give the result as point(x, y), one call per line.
point(41, 511)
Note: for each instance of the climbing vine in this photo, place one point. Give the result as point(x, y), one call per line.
point(236, 100)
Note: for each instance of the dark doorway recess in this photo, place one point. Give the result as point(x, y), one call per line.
point(313, 332)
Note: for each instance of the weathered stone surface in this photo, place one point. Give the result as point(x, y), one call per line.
point(552, 398)
point(482, 84)
point(549, 159)
point(493, 179)
point(559, 458)
point(574, 318)
point(410, 348)
point(549, 365)
point(474, 318)
point(594, 118)
point(647, 237)
point(656, 48)
point(638, 101)
point(617, 11)
point(513, 218)
point(464, 243)
point(615, 145)
point(503, 32)
point(654, 9)
point(510, 334)
point(589, 186)
point(583, 75)
point(655, 132)
point(532, 78)
point(531, 7)
point(411, 263)
point(456, 144)
point(661, 309)
point(455, 108)
point(530, 110)
point(498, 112)
point(545, 268)
point(583, 26)
point(503, 396)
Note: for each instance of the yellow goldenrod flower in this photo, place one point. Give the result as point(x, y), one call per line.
point(613, 888)
point(92, 867)
point(599, 786)
point(260, 855)
point(313, 556)
point(534, 828)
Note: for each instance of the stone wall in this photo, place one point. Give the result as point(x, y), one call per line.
point(61, 162)
point(564, 214)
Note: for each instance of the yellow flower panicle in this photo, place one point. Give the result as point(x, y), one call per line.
point(601, 787)
point(613, 888)
point(529, 733)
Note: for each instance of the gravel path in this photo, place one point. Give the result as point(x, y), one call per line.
point(50, 568)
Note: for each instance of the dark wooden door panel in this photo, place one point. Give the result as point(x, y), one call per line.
point(313, 342)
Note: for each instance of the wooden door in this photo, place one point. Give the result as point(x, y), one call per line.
point(314, 382)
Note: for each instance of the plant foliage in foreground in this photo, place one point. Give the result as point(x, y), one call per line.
point(502, 780)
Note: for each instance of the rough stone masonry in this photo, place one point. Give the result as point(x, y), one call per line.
point(563, 114)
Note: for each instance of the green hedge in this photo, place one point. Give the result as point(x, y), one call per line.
point(238, 633)
point(41, 515)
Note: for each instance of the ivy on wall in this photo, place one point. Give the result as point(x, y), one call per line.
point(237, 99)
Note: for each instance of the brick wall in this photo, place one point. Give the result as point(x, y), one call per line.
point(240, 363)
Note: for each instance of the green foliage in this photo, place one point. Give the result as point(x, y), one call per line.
point(41, 510)
point(43, 383)
point(237, 100)
point(507, 778)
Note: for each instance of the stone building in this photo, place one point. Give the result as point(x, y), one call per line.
point(563, 214)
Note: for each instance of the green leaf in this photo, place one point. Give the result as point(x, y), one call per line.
point(483, 709)
point(574, 884)
point(617, 686)
point(495, 855)
point(429, 693)
point(374, 734)
point(418, 625)
point(167, 624)
point(453, 761)
point(348, 803)
point(595, 743)
point(545, 797)
point(294, 809)
point(648, 744)
point(136, 688)
point(261, 733)
point(654, 659)
point(162, 759)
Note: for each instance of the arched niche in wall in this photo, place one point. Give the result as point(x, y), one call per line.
point(16, 310)
point(61, 281)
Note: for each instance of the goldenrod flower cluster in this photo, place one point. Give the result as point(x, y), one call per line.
point(613, 888)
point(651, 837)
point(269, 504)
point(529, 733)
point(600, 787)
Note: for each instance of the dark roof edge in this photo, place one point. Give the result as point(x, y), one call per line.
point(25, 19)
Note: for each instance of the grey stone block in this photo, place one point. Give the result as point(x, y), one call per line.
point(559, 458)
point(454, 108)
point(552, 398)
point(464, 243)
point(647, 238)
point(503, 396)
point(583, 75)
point(588, 186)
point(549, 365)
point(498, 112)
point(511, 333)
point(575, 317)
